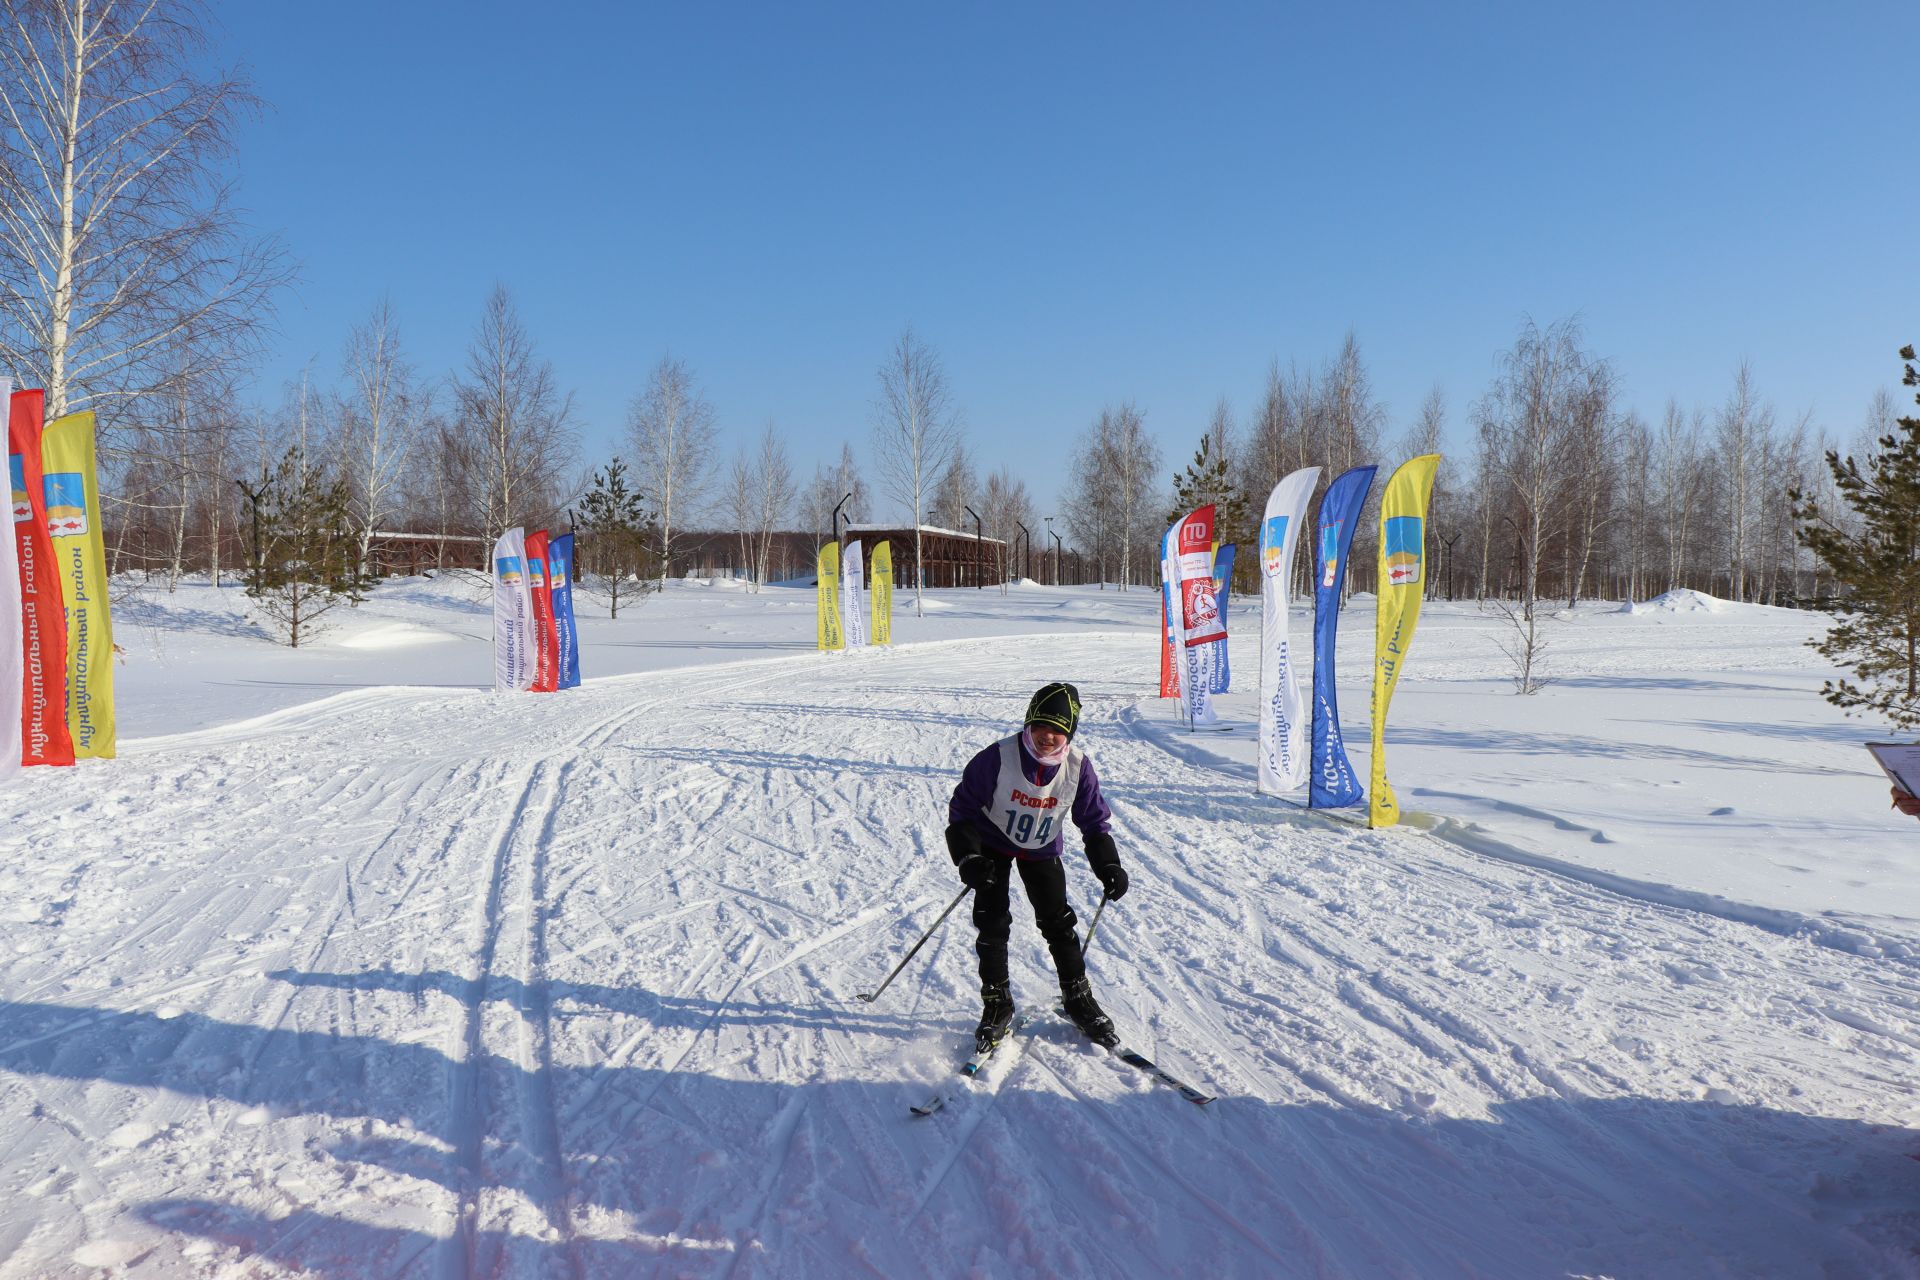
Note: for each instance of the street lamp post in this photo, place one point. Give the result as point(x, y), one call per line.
point(836, 515)
point(1056, 557)
point(979, 549)
point(253, 502)
point(1043, 550)
point(1027, 559)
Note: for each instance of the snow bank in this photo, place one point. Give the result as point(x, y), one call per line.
point(394, 635)
point(1680, 600)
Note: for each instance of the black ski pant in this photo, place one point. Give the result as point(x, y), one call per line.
point(1046, 883)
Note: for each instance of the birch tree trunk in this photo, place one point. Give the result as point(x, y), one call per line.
point(916, 429)
point(379, 419)
point(671, 437)
point(117, 235)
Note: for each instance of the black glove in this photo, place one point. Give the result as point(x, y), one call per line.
point(1105, 859)
point(963, 841)
point(976, 869)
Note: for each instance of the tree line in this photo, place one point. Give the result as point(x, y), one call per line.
point(130, 286)
point(1554, 489)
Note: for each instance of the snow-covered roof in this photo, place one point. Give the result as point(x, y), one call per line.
point(925, 528)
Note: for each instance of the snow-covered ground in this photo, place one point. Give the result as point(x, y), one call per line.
point(349, 968)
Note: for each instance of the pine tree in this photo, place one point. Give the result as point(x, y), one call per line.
point(1207, 479)
point(303, 557)
point(1877, 568)
point(619, 527)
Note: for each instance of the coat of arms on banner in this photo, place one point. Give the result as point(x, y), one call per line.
point(22, 505)
point(1271, 543)
point(1330, 552)
point(508, 568)
point(1404, 540)
point(66, 503)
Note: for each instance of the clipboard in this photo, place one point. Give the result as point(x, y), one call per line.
point(1901, 763)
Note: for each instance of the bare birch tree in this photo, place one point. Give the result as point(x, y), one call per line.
point(1274, 446)
point(1489, 496)
point(1353, 418)
point(1130, 459)
point(758, 494)
point(1786, 464)
point(740, 500)
point(1528, 416)
point(379, 417)
point(830, 487)
point(1637, 506)
point(774, 494)
point(1679, 467)
point(442, 486)
point(915, 432)
point(1593, 433)
point(1882, 419)
point(957, 490)
point(1742, 425)
point(1005, 505)
point(1089, 507)
point(117, 230)
point(671, 437)
point(513, 421)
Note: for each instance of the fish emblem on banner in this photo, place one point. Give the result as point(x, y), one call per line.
point(66, 504)
point(1272, 544)
point(1330, 551)
point(1404, 541)
point(508, 567)
point(22, 505)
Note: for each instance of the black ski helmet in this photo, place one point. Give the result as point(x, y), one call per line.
point(1056, 704)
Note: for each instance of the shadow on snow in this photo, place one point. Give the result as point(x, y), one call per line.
point(714, 1172)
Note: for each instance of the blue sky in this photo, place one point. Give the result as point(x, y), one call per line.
point(1077, 204)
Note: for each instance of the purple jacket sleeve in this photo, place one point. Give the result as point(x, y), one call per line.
point(1090, 812)
point(975, 790)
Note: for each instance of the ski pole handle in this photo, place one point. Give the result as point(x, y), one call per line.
point(1096, 923)
point(871, 996)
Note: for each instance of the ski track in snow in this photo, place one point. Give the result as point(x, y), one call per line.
point(446, 984)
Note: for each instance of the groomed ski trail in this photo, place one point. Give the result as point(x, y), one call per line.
point(443, 984)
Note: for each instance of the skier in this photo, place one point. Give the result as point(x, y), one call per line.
point(1009, 810)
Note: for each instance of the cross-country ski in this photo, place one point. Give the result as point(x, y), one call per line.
point(1160, 1073)
point(973, 1066)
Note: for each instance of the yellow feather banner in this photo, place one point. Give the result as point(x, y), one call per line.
point(1403, 560)
point(829, 597)
point(881, 589)
point(79, 552)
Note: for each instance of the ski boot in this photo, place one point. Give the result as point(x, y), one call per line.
point(1077, 1002)
point(996, 1015)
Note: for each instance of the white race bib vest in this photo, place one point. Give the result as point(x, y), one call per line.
point(1028, 814)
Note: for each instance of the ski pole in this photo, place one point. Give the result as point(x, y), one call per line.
point(1096, 922)
point(871, 996)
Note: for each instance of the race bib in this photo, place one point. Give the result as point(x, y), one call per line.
point(1026, 813)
